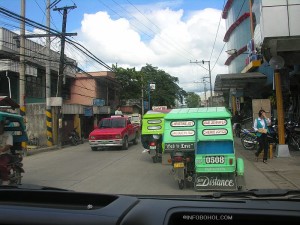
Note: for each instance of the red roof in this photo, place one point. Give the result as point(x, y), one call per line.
point(6, 101)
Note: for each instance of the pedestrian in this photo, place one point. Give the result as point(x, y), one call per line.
point(118, 111)
point(261, 127)
point(237, 124)
point(6, 142)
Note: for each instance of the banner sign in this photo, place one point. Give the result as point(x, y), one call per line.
point(187, 123)
point(210, 132)
point(214, 122)
point(181, 133)
point(180, 146)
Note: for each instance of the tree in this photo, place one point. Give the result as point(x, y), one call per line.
point(132, 82)
point(166, 91)
point(193, 100)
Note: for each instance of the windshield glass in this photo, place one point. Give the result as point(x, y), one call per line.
point(151, 97)
point(112, 123)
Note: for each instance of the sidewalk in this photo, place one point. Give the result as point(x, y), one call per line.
point(282, 171)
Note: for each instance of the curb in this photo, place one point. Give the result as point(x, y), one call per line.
point(39, 150)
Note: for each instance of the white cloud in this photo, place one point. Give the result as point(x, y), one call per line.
point(169, 42)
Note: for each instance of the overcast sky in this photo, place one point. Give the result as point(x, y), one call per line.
point(131, 33)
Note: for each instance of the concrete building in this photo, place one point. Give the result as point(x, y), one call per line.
point(86, 97)
point(258, 30)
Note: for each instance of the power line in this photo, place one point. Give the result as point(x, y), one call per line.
point(216, 33)
point(225, 42)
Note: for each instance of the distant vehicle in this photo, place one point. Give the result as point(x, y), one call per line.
point(136, 119)
point(152, 133)
point(114, 131)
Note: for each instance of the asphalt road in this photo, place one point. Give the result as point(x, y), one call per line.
point(115, 171)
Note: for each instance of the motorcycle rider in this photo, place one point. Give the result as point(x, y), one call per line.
point(6, 142)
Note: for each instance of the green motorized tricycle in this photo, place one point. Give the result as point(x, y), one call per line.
point(201, 147)
point(14, 124)
point(152, 131)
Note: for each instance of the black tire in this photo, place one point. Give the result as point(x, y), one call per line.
point(16, 177)
point(19, 178)
point(125, 143)
point(136, 139)
point(248, 146)
point(94, 148)
point(155, 159)
point(73, 141)
point(181, 184)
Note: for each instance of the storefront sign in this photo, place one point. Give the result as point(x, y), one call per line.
point(214, 132)
point(182, 123)
point(88, 111)
point(98, 102)
point(214, 122)
point(180, 133)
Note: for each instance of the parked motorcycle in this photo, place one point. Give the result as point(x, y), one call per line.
point(249, 138)
point(293, 135)
point(15, 167)
point(14, 123)
point(74, 138)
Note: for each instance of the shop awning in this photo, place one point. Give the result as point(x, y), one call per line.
point(224, 82)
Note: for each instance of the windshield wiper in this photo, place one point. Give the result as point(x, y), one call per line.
point(30, 187)
point(257, 193)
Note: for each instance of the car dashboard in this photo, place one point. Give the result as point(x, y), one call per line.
point(68, 207)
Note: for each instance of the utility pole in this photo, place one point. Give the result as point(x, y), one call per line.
point(22, 65)
point(48, 82)
point(61, 68)
point(203, 82)
point(142, 81)
point(209, 72)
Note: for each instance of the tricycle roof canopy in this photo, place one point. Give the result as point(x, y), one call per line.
point(8, 102)
point(198, 113)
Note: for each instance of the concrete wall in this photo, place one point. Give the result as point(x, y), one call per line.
point(36, 122)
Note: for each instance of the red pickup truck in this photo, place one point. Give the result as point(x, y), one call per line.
point(114, 131)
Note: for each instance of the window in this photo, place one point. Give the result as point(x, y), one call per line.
point(35, 87)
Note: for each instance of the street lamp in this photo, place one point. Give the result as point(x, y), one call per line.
point(277, 63)
point(151, 87)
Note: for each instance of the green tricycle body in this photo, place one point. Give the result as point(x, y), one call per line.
point(201, 147)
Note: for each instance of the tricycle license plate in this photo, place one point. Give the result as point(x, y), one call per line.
point(215, 159)
point(179, 165)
